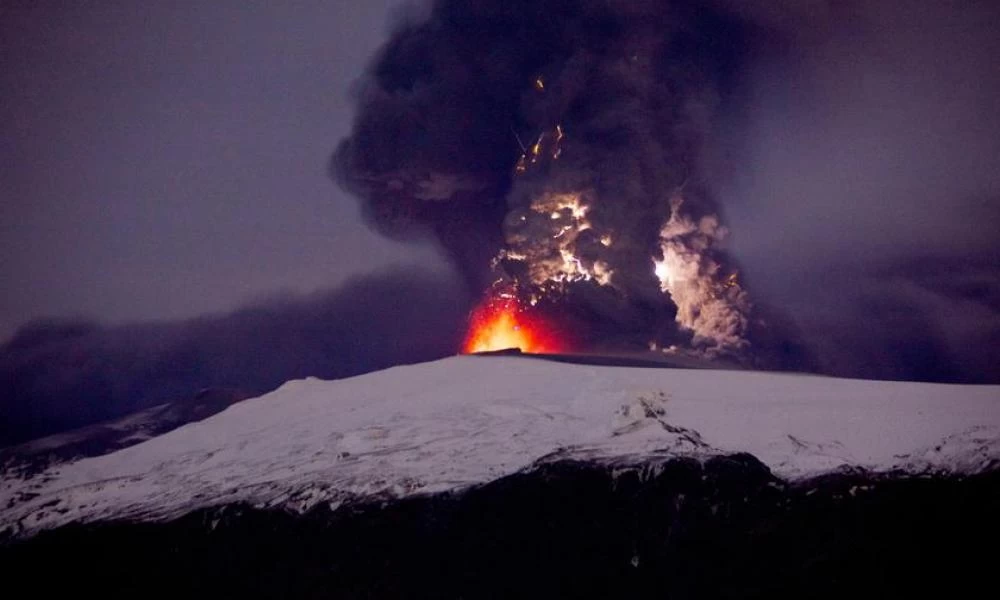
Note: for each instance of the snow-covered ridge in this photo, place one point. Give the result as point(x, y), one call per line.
point(468, 420)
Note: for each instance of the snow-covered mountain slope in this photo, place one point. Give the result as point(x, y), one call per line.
point(467, 420)
point(95, 440)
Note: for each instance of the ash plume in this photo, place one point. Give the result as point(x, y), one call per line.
point(556, 149)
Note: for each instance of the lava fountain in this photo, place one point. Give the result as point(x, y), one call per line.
point(501, 323)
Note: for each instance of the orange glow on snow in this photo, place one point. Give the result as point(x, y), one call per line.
point(501, 323)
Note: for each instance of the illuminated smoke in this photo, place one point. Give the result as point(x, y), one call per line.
point(709, 302)
point(544, 238)
point(542, 143)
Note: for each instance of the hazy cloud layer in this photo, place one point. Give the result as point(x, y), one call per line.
point(60, 374)
point(860, 177)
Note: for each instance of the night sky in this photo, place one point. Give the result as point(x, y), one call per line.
point(163, 165)
point(163, 160)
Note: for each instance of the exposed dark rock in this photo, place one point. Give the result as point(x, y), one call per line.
point(723, 528)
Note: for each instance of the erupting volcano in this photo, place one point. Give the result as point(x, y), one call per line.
point(501, 323)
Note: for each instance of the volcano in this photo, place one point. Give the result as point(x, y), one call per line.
point(530, 474)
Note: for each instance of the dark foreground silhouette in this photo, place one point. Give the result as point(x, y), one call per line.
point(725, 528)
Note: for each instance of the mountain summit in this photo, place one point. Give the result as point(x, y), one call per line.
point(577, 479)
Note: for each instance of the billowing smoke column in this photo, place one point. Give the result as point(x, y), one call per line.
point(555, 148)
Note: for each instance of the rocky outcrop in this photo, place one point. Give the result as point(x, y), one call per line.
point(721, 527)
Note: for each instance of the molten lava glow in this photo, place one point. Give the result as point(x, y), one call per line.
point(501, 323)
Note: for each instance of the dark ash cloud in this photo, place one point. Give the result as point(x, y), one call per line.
point(922, 319)
point(559, 147)
point(60, 374)
point(859, 175)
point(839, 143)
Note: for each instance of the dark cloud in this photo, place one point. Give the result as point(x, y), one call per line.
point(566, 139)
point(859, 173)
point(843, 142)
point(921, 319)
point(60, 374)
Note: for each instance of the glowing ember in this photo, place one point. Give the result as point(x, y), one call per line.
point(501, 323)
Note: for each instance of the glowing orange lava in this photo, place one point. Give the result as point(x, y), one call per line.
point(501, 323)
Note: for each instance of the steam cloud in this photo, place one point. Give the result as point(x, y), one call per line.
point(556, 148)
